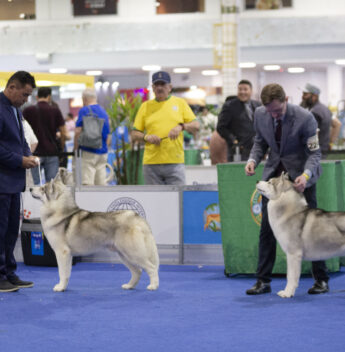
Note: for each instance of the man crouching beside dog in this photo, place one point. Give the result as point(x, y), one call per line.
point(15, 157)
point(289, 134)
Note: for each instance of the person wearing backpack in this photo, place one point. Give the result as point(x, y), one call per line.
point(92, 134)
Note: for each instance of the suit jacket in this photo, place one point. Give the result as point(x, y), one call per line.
point(12, 149)
point(234, 123)
point(299, 148)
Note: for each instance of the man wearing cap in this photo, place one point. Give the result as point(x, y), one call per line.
point(160, 123)
point(329, 128)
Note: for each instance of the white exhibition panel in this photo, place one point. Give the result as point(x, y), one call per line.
point(201, 175)
point(162, 209)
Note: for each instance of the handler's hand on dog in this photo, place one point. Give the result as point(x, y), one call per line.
point(250, 169)
point(28, 162)
point(300, 183)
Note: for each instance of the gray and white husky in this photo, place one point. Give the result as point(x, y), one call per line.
point(303, 233)
point(73, 231)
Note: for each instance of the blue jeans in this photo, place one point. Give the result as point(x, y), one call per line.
point(50, 165)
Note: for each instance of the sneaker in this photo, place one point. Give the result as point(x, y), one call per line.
point(16, 281)
point(6, 286)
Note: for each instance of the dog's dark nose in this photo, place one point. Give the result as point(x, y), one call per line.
point(30, 189)
point(257, 181)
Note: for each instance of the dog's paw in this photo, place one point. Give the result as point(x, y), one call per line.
point(285, 294)
point(59, 288)
point(127, 287)
point(152, 287)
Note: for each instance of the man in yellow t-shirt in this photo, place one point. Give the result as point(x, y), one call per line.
point(160, 123)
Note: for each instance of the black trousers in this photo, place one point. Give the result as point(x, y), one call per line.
point(9, 229)
point(268, 244)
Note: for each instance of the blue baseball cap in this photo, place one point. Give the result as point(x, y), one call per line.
point(161, 76)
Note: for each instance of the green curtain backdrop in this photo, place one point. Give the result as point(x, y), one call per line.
point(240, 224)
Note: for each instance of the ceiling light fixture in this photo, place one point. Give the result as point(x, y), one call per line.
point(247, 64)
point(271, 67)
point(151, 68)
point(94, 73)
point(58, 70)
point(181, 70)
point(340, 62)
point(296, 69)
point(210, 72)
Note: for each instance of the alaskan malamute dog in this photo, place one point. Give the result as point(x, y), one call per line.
point(303, 233)
point(74, 231)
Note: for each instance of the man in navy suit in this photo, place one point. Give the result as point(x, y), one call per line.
point(289, 134)
point(15, 157)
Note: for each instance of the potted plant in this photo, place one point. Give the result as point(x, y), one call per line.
point(122, 111)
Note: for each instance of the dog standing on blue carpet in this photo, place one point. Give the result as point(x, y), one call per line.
point(72, 231)
point(303, 233)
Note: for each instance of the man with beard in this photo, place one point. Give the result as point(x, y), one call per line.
point(329, 127)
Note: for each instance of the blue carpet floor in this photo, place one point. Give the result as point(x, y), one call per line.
point(195, 309)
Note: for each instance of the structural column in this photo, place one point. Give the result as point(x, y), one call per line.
point(334, 85)
point(226, 46)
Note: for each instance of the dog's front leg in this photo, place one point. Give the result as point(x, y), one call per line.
point(64, 260)
point(294, 262)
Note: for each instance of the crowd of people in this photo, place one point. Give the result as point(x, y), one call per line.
point(290, 138)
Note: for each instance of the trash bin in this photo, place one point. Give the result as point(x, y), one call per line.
point(35, 246)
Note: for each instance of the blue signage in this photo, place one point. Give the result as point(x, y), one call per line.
point(201, 218)
point(37, 243)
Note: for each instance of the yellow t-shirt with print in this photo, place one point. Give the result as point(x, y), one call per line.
point(159, 118)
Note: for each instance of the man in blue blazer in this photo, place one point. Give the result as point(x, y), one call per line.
point(15, 157)
point(288, 133)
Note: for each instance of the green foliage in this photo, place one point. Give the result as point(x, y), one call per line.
point(122, 110)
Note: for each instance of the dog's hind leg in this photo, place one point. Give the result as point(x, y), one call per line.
point(135, 271)
point(64, 260)
point(152, 271)
point(294, 262)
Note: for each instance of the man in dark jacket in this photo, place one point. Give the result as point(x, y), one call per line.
point(236, 120)
point(15, 157)
point(46, 120)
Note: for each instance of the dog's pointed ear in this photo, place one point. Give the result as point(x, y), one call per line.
point(286, 176)
point(64, 176)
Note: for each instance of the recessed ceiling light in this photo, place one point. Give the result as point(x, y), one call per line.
point(271, 67)
point(43, 83)
point(210, 72)
point(247, 64)
point(340, 62)
point(58, 70)
point(296, 69)
point(151, 68)
point(181, 70)
point(94, 73)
